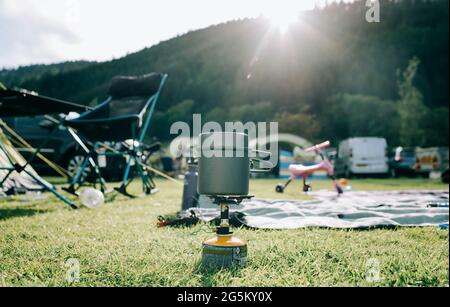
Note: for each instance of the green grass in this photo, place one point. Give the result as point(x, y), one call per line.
point(120, 245)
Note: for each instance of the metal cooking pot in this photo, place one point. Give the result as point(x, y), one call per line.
point(224, 164)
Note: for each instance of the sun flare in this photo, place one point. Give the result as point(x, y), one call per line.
point(282, 20)
point(282, 16)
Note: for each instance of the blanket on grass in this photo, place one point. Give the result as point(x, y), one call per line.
point(356, 209)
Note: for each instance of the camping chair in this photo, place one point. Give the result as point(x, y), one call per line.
point(124, 117)
point(18, 103)
point(16, 176)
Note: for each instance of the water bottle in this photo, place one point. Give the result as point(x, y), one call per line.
point(437, 205)
point(190, 194)
point(91, 198)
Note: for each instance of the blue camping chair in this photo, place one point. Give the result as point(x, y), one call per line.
point(124, 117)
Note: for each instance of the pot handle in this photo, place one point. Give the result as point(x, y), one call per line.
point(266, 165)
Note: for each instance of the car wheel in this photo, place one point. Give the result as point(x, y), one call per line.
point(74, 164)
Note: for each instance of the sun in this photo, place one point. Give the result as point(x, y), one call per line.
point(282, 20)
point(282, 16)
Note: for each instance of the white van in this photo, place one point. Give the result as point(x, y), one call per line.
point(362, 155)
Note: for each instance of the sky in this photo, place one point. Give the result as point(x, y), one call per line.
point(50, 31)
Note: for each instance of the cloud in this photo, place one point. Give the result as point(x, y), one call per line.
point(49, 31)
point(27, 36)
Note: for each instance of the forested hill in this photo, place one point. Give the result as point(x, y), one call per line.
point(314, 78)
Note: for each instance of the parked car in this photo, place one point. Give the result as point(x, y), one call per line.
point(362, 156)
point(431, 159)
point(403, 162)
point(60, 148)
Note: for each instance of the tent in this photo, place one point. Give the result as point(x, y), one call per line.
point(15, 183)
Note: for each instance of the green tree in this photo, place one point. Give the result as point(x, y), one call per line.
point(258, 112)
point(411, 108)
point(302, 124)
point(217, 114)
point(180, 112)
point(162, 121)
point(436, 127)
point(358, 115)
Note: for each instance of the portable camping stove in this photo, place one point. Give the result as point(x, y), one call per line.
point(225, 250)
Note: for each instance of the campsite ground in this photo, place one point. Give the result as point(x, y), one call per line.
point(120, 245)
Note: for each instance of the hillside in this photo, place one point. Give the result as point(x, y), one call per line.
point(23, 74)
point(245, 70)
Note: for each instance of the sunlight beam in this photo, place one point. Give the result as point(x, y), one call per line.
point(281, 14)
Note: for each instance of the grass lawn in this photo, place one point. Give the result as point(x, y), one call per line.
point(120, 245)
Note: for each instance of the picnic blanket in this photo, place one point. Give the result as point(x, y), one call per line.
point(356, 209)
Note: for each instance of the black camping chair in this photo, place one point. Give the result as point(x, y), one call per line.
point(124, 117)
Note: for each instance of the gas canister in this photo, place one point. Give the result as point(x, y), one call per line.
point(224, 251)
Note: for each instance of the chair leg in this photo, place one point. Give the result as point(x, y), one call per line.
point(6, 177)
point(126, 180)
point(148, 184)
point(76, 182)
point(98, 173)
point(13, 165)
point(151, 184)
point(19, 169)
point(123, 188)
point(52, 190)
point(88, 159)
